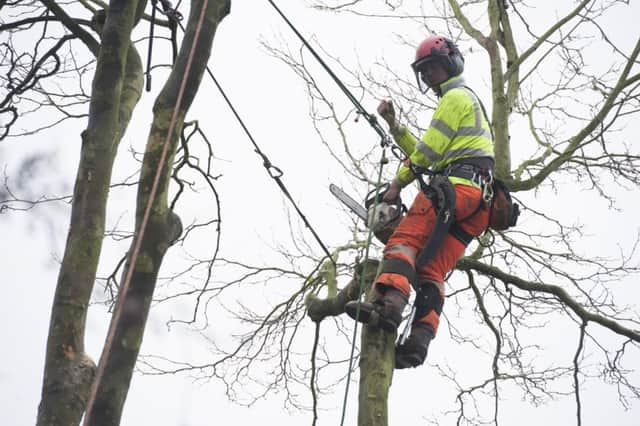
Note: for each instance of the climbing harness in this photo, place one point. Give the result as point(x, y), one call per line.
point(442, 194)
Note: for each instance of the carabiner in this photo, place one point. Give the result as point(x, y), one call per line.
point(487, 188)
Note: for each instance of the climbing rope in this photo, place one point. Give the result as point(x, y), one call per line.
point(275, 172)
point(371, 119)
point(384, 142)
point(174, 17)
point(140, 233)
point(383, 161)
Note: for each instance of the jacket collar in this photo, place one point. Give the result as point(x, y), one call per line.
point(452, 83)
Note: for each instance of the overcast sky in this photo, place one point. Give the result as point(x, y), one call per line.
point(273, 102)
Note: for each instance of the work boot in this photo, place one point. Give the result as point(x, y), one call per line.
point(385, 311)
point(414, 351)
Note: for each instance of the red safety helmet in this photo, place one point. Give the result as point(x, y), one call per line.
point(438, 48)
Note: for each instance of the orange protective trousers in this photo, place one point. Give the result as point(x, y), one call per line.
point(411, 235)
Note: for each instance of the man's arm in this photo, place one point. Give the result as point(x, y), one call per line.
point(405, 140)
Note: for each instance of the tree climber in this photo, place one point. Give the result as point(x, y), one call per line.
point(458, 150)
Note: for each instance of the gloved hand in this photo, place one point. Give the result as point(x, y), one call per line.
point(387, 111)
point(392, 193)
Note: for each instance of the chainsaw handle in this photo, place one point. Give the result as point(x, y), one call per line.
point(372, 199)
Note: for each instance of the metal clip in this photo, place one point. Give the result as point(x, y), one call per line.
point(407, 327)
point(487, 188)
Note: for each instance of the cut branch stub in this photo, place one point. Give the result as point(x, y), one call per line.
point(318, 309)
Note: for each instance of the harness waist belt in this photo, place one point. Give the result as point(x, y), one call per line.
point(473, 169)
point(466, 171)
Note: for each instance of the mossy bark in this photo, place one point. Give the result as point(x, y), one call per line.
point(163, 226)
point(377, 360)
point(117, 86)
point(377, 346)
point(503, 98)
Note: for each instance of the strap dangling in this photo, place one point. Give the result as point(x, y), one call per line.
point(150, 50)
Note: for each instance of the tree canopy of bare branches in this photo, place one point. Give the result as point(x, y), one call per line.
point(61, 34)
point(535, 314)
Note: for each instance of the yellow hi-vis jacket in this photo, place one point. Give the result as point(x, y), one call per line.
point(458, 130)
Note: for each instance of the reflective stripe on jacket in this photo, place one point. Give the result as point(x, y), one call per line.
point(458, 130)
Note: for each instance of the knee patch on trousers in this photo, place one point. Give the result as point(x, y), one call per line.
point(428, 299)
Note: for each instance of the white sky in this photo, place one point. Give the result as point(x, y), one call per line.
point(274, 105)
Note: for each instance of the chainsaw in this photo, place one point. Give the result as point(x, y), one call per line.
point(378, 215)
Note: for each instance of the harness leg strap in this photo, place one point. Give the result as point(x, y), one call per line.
point(443, 198)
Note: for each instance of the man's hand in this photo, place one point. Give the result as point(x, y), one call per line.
point(386, 111)
point(392, 193)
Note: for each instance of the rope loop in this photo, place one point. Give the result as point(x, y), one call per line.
point(274, 171)
point(397, 152)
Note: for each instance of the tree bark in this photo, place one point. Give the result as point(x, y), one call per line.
point(117, 86)
point(377, 357)
point(163, 226)
point(377, 361)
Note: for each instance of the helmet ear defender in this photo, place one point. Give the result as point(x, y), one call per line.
point(455, 62)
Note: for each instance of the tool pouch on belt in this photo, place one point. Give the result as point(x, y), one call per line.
point(504, 212)
point(442, 194)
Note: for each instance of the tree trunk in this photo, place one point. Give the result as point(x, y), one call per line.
point(117, 86)
point(377, 360)
point(377, 346)
point(163, 226)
